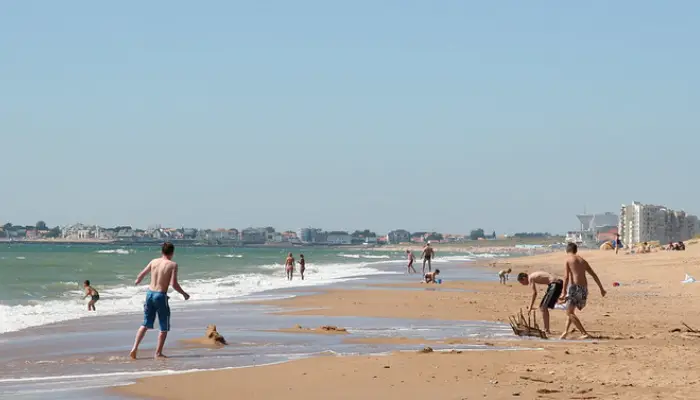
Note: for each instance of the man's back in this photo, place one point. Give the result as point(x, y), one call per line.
point(161, 274)
point(541, 278)
point(578, 267)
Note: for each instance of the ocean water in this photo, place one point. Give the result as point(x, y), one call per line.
point(42, 284)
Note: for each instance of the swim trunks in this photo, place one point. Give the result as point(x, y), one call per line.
point(577, 296)
point(551, 296)
point(156, 304)
point(95, 297)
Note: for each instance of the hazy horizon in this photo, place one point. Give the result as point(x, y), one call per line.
point(448, 116)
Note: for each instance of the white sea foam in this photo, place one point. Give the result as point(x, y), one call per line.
point(21, 258)
point(232, 255)
point(349, 255)
point(114, 251)
point(128, 298)
point(367, 256)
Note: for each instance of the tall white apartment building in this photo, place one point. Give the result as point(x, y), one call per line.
point(648, 222)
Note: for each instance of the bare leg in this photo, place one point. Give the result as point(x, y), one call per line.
point(545, 318)
point(571, 317)
point(424, 261)
point(566, 329)
point(430, 266)
point(161, 342)
point(139, 337)
point(577, 323)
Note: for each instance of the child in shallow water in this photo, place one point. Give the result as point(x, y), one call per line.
point(94, 296)
point(431, 277)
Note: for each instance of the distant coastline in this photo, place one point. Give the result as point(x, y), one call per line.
point(527, 247)
point(181, 242)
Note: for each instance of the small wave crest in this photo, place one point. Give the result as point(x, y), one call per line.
point(127, 299)
point(114, 251)
point(367, 256)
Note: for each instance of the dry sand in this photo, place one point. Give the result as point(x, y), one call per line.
point(638, 358)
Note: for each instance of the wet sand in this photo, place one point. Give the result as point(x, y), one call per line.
point(643, 351)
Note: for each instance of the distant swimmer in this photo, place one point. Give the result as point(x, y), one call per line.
point(431, 277)
point(92, 293)
point(302, 266)
point(427, 256)
point(576, 294)
point(289, 266)
point(411, 260)
point(503, 275)
point(163, 271)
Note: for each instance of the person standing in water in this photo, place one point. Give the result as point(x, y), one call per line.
point(411, 260)
point(428, 254)
point(289, 266)
point(94, 296)
point(163, 272)
point(302, 265)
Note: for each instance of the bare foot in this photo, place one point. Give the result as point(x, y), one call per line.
point(132, 354)
point(586, 336)
point(160, 356)
point(563, 335)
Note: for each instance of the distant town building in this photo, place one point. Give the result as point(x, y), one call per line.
point(595, 228)
point(253, 236)
point(648, 222)
point(371, 240)
point(223, 235)
point(312, 235)
point(398, 236)
point(338, 237)
point(289, 236)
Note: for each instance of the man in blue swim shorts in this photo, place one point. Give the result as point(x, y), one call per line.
point(163, 271)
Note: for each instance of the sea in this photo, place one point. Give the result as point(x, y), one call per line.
point(51, 343)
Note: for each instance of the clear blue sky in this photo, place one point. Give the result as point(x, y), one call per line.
point(424, 115)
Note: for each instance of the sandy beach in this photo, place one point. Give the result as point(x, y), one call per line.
point(642, 350)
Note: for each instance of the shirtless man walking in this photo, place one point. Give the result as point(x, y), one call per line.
point(551, 296)
point(163, 272)
point(576, 294)
point(428, 253)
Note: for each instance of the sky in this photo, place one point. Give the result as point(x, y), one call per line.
point(424, 115)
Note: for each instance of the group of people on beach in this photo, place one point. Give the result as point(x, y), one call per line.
point(289, 266)
point(427, 255)
point(572, 292)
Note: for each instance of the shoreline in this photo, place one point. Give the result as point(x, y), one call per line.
point(645, 342)
point(76, 347)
